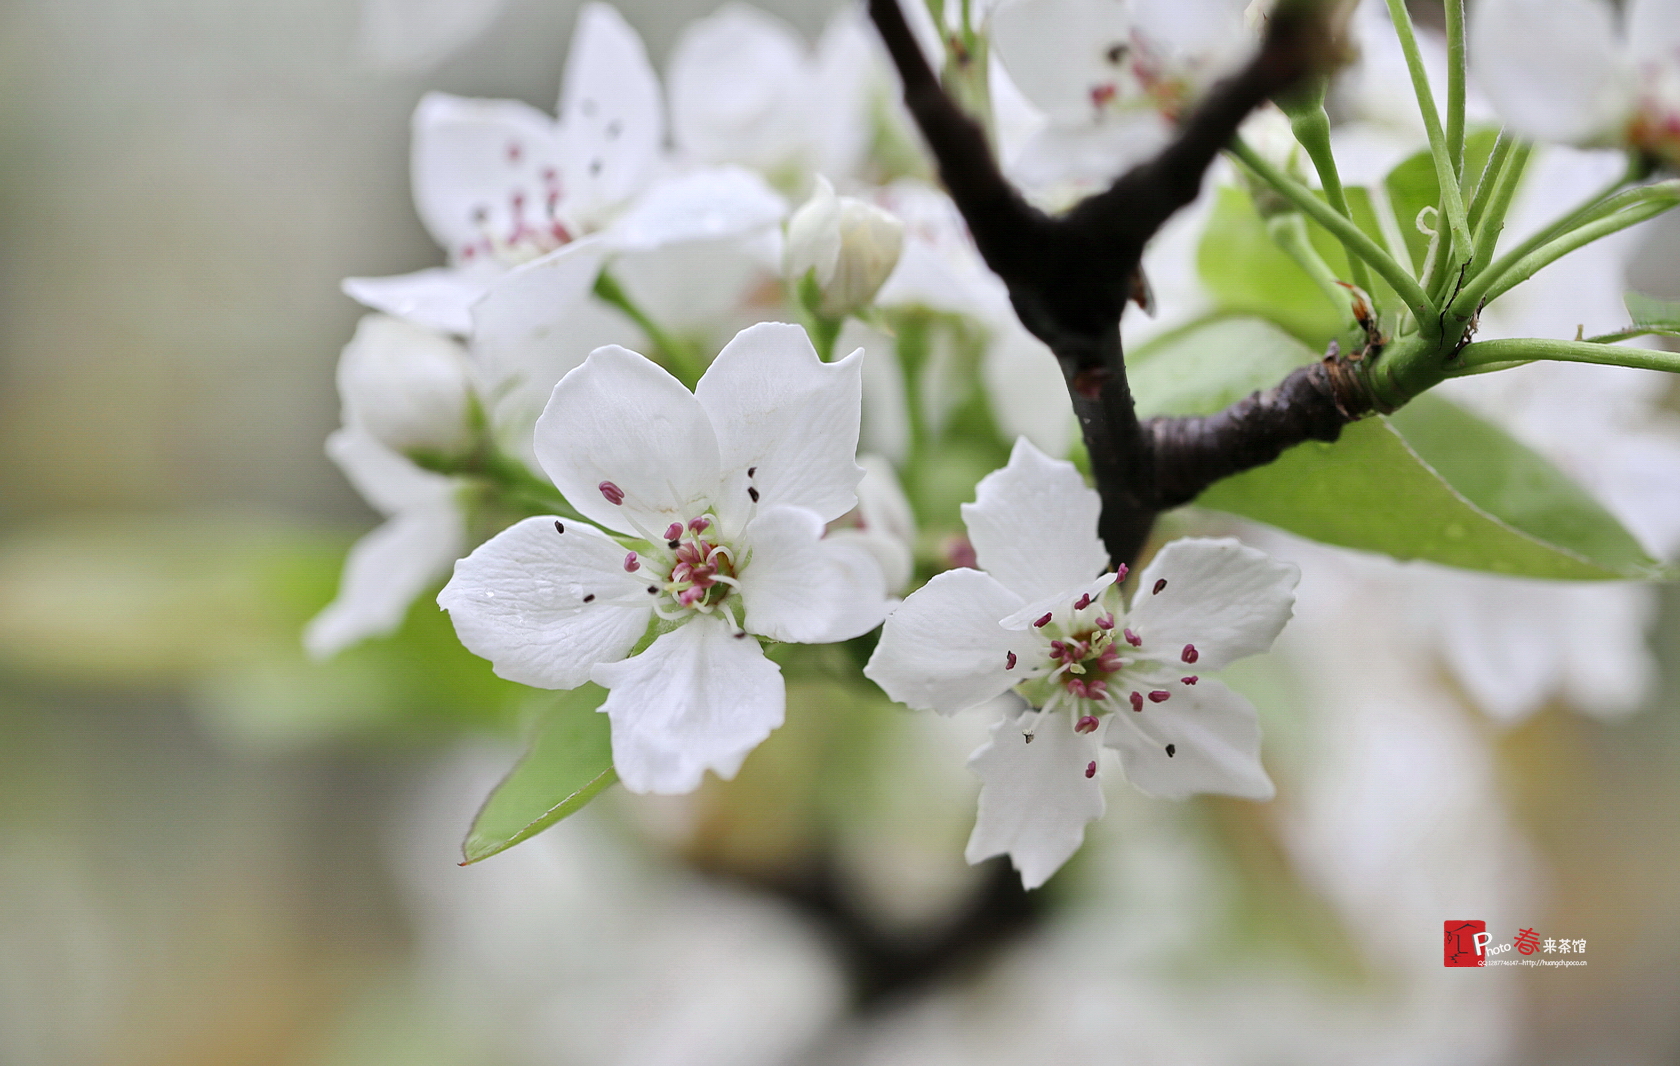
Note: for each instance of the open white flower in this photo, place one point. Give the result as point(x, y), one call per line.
point(1037, 622)
point(1562, 70)
point(715, 503)
point(498, 183)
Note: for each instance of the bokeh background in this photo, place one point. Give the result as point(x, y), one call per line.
point(215, 852)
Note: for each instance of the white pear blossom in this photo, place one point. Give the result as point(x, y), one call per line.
point(714, 505)
point(1036, 621)
point(498, 183)
point(424, 532)
point(408, 387)
point(746, 89)
point(847, 245)
point(1565, 71)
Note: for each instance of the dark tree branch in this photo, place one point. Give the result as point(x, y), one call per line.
point(1069, 278)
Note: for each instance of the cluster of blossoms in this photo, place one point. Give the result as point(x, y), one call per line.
point(649, 523)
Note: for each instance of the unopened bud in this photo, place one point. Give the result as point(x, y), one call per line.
point(846, 245)
point(406, 386)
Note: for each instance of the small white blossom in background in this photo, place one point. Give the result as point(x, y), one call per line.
point(716, 501)
point(1034, 620)
point(1564, 71)
point(498, 183)
point(847, 246)
point(883, 521)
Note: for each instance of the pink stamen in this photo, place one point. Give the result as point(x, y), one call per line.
point(1191, 680)
point(631, 563)
point(690, 596)
point(613, 493)
point(1137, 701)
point(1091, 768)
point(1120, 574)
point(673, 531)
point(1133, 639)
point(1042, 622)
point(1083, 602)
point(1096, 690)
point(1110, 659)
point(1105, 622)
point(1075, 687)
point(699, 525)
point(1087, 724)
point(1010, 661)
point(1160, 695)
point(1190, 654)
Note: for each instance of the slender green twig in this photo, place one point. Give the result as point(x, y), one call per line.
point(1527, 349)
point(1452, 201)
point(1497, 205)
point(1490, 176)
point(1312, 130)
point(1456, 71)
point(679, 357)
point(1352, 237)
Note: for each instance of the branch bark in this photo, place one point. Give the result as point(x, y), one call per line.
point(1069, 278)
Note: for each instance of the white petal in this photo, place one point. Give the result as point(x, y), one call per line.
point(886, 403)
point(1057, 51)
point(813, 235)
point(622, 419)
point(1034, 525)
point(480, 168)
point(440, 298)
point(882, 504)
point(524, 321)
point(848, 68)
point(405, 385)
point(612, 121)
point(1028, 396)
point(700, 698)
point(519, 600)
point(1035, 798)
point(1610, 670)
point(1215, 737)
point(703, 205)
point(698, 287)
point(942, 648)
point(740, 88)
point(383, 573)
point(1653, 31)
point(387, 480)
point(1230, 601)
point(785, 415)
point(800, 587)
point(1554, 69)
point(1087, 157)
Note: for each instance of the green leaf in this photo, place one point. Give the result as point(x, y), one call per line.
point(1248, 274)
point(1652, 314)
point(1431, 482)
point(568, 764)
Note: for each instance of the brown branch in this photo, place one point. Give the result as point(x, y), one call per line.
point(1069, 278)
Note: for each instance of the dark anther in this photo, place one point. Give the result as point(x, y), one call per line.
point(589, 598)
point(559, 527)
point(653, 590)
point(753, 493)
point(1172, 749)
point(1159, 585)
point(752, 471)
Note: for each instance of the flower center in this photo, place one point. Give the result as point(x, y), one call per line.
point(1655, 127)
point(526, 224)
point(702, 568)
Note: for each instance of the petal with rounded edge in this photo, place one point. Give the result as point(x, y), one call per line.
point(942, 648)
point(1554, 69)
point(480, 168)
point(798, 586)
point(1227, 599)
point(1215, 739)
point(740, 88)
point(387, 480)
point(407, 386)
point(525, 317)
point(1034, 525)
point(383, 573)
point(546, 606)
point(440, 298)
point(1058, 51)
point(1028, 396)
point(699, 698)
point(612, 120)
point(620, 419)
point(1035, 798)
point(704, 205)
point(788, 418)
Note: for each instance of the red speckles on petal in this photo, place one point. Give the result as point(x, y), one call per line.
point(1191, 680)
point(1190, 654)
point(1091, 768)
point(613, 493)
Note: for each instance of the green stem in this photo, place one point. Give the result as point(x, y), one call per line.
point(1456, 73)
point(1498, 204)
point(1523, 262)
point(1289, 232)
point(1601, 204)
point(1352, 237)
point(1527, 349)
point(1490, 176)
point(1312, 130)
point(1446, 174)
point(679, 357)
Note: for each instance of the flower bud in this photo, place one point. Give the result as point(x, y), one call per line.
point(406, 386)
point(848, 246)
